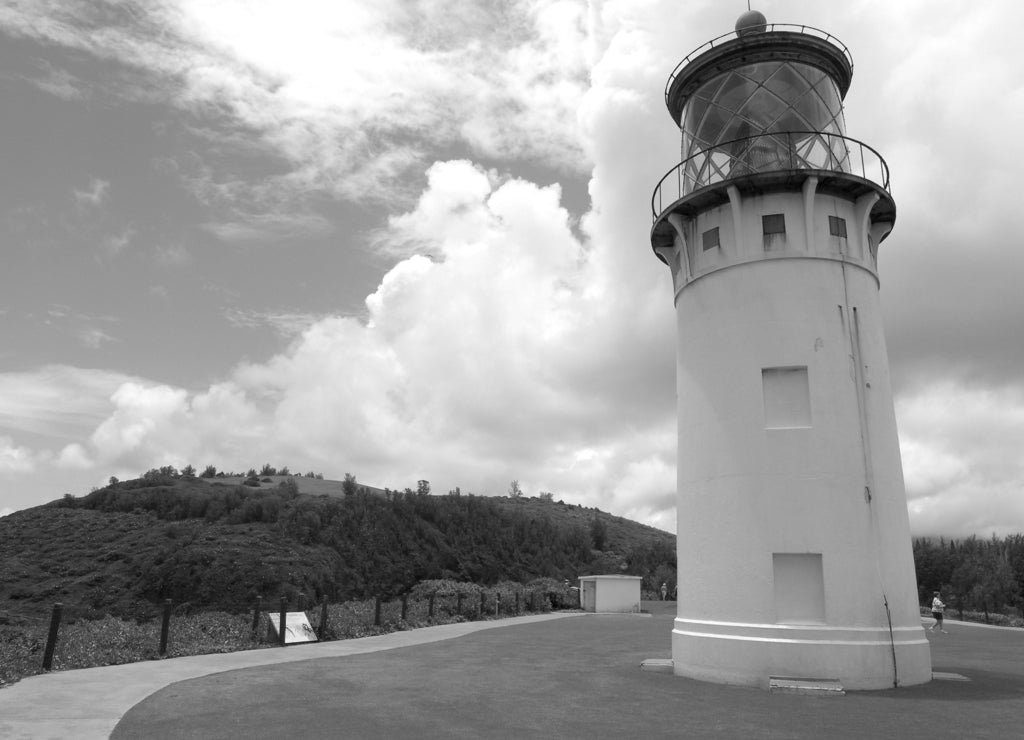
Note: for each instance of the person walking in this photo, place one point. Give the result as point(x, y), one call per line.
point(664, 591)
point(937, 609)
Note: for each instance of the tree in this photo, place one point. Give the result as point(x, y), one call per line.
point(984, 581)
point(423, 488)
point(284, 471)
point(547, 497)
point(209, 472)
point(934, 563)
point(598, 532)
point(664, 574)
point(514, 490)
point(349, 485)
point(268, 469)
point(188, 472)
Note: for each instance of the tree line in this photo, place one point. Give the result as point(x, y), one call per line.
point(983, 575)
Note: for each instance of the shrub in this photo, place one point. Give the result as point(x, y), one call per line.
point(444, 587)
point(21, 652)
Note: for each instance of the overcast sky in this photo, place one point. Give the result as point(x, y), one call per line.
point(409, 240)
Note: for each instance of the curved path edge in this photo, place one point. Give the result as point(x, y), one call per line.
point(88, 703)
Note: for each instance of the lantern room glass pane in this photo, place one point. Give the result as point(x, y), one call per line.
point(766, 97)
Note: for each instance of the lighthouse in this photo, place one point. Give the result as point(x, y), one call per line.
point(794, 549)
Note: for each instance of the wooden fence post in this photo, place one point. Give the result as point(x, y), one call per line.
point(517, 602)
point(322, 627)
point(376, 612)
point(51, 638)
point(281, 619)
point(256, 615)
point(165, 627)
point(497, 603)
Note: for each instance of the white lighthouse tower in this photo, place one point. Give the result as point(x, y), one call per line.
point(794, 550)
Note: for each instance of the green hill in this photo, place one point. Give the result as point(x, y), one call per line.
point(213, 543)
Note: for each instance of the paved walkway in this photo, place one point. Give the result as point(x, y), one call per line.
point(86, 704)
point(550, 676)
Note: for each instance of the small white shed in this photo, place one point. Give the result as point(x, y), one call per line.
point(610, 593)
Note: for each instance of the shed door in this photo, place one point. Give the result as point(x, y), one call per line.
point(589, 596)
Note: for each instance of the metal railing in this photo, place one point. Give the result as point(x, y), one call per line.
point(724, 38)
point(769, 152)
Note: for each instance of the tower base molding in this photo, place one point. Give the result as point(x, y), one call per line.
point(750, 654)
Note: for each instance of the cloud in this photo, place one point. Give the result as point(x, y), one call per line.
point(114, 244)
point(142, 424)
point(56, 400)
point(961, 457)
point(347, 98)
point(539, 382)
point(285, 324)
point(74, 456)
point(58, 82)
point(15, 458)
point(172, 255)
point(94, 195)
point(94, 338)
point(83, 327)
point(268, 227)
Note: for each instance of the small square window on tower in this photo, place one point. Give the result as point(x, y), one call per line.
point(711, 239)
point(774, 223)
point(837, 226)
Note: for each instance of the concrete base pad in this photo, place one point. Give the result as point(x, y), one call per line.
point(806, 686)
point(938, 676)
point(657, 665)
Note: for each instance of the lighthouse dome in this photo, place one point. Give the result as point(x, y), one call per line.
point(753, 21)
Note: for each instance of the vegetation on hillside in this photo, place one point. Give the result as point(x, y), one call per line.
point(125, 548)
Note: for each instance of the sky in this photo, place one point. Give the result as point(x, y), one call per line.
point(409, 239)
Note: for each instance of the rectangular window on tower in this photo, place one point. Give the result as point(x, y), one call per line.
point(774, 228)
point(799, 582)
point(837, 226)
point(711, 239)
point(787, 398)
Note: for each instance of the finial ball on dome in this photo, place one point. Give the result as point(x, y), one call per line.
point(753, 21)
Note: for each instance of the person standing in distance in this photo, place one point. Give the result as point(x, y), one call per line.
point(937, 608)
